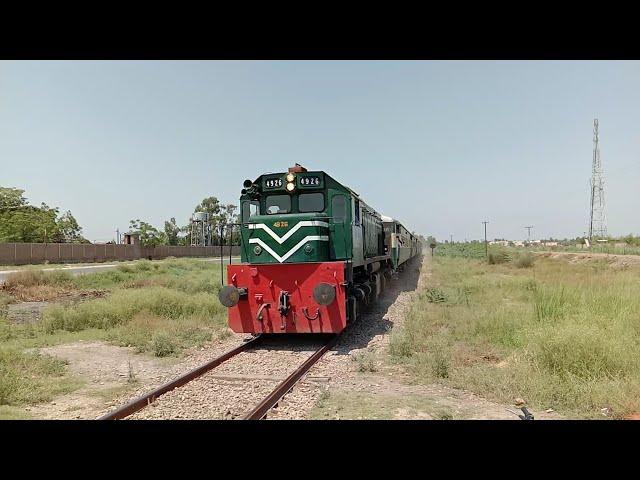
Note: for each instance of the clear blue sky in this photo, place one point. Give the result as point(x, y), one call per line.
point(439, 145)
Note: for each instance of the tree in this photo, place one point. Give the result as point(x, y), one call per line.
point(11, 198)
point(149, 235)
point(68, 229)
point(21, 222)
point(171, 230)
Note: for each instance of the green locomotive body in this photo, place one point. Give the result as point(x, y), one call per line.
point(319, 220)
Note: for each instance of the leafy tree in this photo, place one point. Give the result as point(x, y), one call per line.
point(21, 222)
point(11, 198)
point(68, 229)
point(149, 235)
point(172, 231)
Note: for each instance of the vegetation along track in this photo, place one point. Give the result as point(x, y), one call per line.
point(230, 390)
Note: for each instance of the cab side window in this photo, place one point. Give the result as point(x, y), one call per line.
point(250, 209)
point(357, 216)
point(339, 208)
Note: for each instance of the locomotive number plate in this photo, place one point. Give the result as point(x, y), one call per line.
point(273, 183)
point(310, 181)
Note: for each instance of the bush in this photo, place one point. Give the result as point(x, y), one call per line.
point(435, 295)
point(498, 257)
point(163, 345)
point(525, 260)
point(440, 362)
point(366, 361)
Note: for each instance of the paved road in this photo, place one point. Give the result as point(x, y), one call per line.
point(100, 267)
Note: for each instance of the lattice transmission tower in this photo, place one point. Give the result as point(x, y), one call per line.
point(597, 219)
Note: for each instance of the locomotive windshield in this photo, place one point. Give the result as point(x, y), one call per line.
point(310, 202)
point(278, 204)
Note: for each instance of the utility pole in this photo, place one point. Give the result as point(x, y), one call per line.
point(529, 232)
point(486, 245)
point(451, 237)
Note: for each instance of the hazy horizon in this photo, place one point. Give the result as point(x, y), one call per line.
point(439, 145)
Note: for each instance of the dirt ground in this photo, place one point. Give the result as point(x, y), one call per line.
point(335, 388)
point(615, 261)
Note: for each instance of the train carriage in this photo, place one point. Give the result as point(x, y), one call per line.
point(312, 254)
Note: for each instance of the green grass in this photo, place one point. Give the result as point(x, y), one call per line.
point(560, 335)
point(31, 378)
point(159, 308)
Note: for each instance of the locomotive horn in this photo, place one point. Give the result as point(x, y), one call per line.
point(324, 294)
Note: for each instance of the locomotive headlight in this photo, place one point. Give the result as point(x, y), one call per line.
point(324, 294)
point(257, 250)
point(290, 177)
point(229, 296)
point(290, 187)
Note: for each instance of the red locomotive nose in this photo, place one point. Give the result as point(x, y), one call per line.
point(293, 298)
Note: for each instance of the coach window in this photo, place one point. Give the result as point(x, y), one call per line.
point(311, 202)
point(250, 209)
point(278, 204)
point(339, 208)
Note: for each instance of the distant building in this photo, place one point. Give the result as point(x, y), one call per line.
point(131, 238)
point(503, 243)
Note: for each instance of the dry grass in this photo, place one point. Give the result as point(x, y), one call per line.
point(37, 286)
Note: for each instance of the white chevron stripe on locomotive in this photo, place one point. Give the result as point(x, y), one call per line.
point(294, 229)
point(322, 238)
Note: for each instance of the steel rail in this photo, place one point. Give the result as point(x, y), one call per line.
point(260, 411)
point(139, 403)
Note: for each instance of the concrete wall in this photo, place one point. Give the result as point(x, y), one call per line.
point(34, 253)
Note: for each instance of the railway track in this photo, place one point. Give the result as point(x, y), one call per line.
point(259, 412)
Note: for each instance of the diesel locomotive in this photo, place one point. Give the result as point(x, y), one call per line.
point(313, 254)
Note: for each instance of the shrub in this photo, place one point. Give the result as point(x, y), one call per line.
point(366, 361)
point(163, 345)
point(440, 362)
point(525, 260)
point(498, 257)
point(435, 295)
